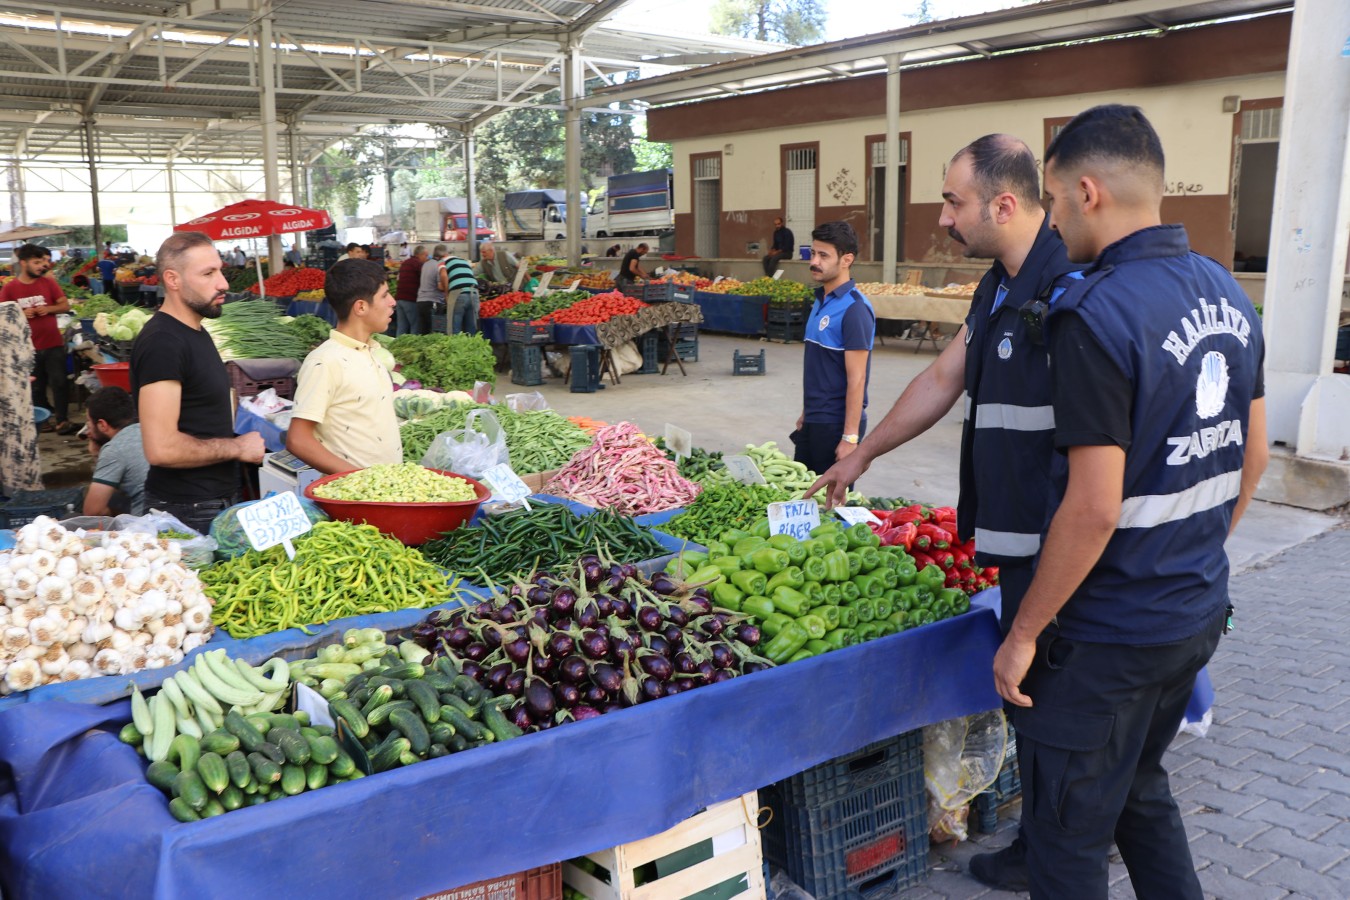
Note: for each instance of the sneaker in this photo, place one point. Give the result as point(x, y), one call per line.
point(1005, 870)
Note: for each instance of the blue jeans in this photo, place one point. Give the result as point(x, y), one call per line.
point(464, 317)
point(405, 317)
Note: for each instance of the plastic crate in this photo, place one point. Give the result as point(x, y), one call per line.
point(686, 349)
point(129, 293)
point(544, 883)
point(25, 506)
point(853, 772)
point(245, 384)
point(682, 860)
point(786, 334)
point(665, 292)
point(527, 364)
point(587, 376)
point(528, 333)
point(785, 315)
point(985, 808)
point(870, 843)
point(745, 364)
point(650, 345)
point(440, 323)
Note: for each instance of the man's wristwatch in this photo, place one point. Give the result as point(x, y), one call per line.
point(850, 439)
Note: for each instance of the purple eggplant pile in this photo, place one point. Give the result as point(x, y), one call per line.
point(600, 639)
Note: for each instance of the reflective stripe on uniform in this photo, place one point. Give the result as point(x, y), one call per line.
point(1006, 543)
point(1014, 418)
point(1155, 509)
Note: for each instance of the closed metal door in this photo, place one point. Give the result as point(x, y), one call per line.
point(799, 204)
point(707, 206)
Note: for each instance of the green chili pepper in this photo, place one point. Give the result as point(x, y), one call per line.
point(814, 592)
point(848, 617)
point(749, 581)
point(921, 617)
point(760, 528)
point(733, 535)
point(859, 536)
point(727, 564)
point(818, 647)
point(817, 547)
point(717, 548)
point(899, 620)
point(788, 641)
point(848, 593)
point(790, 602)
point(774, 622)
point(869, 557)
point(830, 528)
point(758, 606)
point(800, 655)
point(932, 577)
point(791, 576)
point(883, 606)
point(813, 568)
point(728, 597)
point(837, 566)
point(830, 614)
point(831, 593)
point(886, 576)
point(814, 625)
point(745, 546)
point(869, 586)
point(769, 561)
point(867, 610)
point(841, 638)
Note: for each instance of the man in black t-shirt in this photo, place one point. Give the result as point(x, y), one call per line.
point(782, 247)
point(630, 270)
point(183, 391)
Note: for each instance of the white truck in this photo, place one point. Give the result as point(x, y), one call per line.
point(536, 215)
point(447, 219)
point(639, 203)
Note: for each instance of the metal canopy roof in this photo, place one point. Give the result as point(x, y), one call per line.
point(168, 81)
point(1031, 27)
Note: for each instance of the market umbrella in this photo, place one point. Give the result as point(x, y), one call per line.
point(257, 218)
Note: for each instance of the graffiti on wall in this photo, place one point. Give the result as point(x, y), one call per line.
point(842, 187)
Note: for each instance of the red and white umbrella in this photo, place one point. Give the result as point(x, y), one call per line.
point(256, 218)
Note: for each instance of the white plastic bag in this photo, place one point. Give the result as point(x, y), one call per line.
point(198, 552)
point(526, 402)
point(961, 758)
point(469, 451)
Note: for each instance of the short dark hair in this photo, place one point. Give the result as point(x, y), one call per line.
point(112, 405)
point(175, 247)
point(32, 251)
point(643, 247)
point(839, 235)
point(1003, 164)
point(1111, 131)
point(351, 280)
point(353, 246)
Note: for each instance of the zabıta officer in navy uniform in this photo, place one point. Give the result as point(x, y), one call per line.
point(1156, 364)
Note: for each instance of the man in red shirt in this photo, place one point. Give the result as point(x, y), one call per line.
point(41, 298)
point(406, 287)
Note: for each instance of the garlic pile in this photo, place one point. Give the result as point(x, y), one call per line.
point(81, 604)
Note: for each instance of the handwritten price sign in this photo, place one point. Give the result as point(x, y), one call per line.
point(276, 520)
point(794, 517)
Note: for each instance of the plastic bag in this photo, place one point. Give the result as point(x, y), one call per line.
point(627, 358)
point(198, 552)
point(526, 402)
point(469, 451)
point(229, 536)
point(961, 759)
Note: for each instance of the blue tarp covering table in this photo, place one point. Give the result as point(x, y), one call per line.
point(732, 313)
point(493, 328)
point(76, 814)
point(575, 334)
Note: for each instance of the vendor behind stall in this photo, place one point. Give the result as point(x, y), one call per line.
point(115, 439)
point(630, 270)
point(344, 407)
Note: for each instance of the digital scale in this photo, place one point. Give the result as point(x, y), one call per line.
point(284, 471)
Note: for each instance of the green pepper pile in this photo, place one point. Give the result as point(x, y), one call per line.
point(542, 306)
point(834, 590)
point(723, 506)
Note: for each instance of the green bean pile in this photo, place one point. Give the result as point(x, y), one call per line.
point(340, 570)
point(549, 536)
point(538, 440)
point(722, 507)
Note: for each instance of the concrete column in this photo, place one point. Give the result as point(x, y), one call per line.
point(1309, 233)
point(18, 211)
point(91, 154)
point(891, 206)
point(471, 193)
point(574, 90)
point(267, 104)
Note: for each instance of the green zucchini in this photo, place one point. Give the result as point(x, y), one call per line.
point(502, 727)
point(292, 779)
point(407, 758)
point(438, 682)
point(266, 771)
point(161, 774)
point(426, 699)
point(378, 681)
point(250, 739)
point(316, 776)
point(380, 714)
point(472, 731)
point(213, 771)
point(403, 671)
point(469, 710)
point(378, 697)
point(185, 750)
point(348, 713)
point(446, 666)
point(182, 810)
point(412, 728)
point(285, 720)
point(292, 744)
point(220, 741)
point(213, 808)
point(388, 755)
point(231, 798)
point(189, 786)
point(322, 749)
point(260, 721)
point(469, 689)
point(458, 743)
point(241, 775)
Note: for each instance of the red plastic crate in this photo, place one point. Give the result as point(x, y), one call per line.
point(544, 883)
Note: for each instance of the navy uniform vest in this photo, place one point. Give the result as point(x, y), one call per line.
point(1184, 334)
point(1007, 441)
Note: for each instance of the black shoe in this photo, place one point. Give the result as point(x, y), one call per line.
point(1004, 869)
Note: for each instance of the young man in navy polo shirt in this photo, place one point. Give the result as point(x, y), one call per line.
point(838, 358)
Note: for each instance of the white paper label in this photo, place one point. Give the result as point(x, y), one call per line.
point(574, 285)
point(544, 282)
point(275, 520)
point(311, 701)
point(718, 279)
point(855, 514)
point(506, 484)
point(521, 271)
point(794, 517)
point(777, 275)
point(743, 469)
point(679, 441)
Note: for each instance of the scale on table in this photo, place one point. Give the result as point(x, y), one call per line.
point(284, 471)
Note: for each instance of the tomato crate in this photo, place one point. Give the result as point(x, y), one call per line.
point(984, 809)
point(848, 774)
point(527, 364)
point(869, 843)
point(25, 506)
point(714, 855)
point(544, 883)
point(665, 292)
point(528, 333)
point(250, 377)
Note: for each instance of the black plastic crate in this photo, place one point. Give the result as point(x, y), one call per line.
point(440, 323)
point(856, 771)
point(528, 333)
point(746, 364)
point(686, 349)
point(786, 334)
point(785, 315)
point(650, 345)
point(587, 375)
point(685, 331)
point(129, 293)
point(871, 843)
point(665, 292)
point(25, 506)
point(527, 364)
point(984, 809)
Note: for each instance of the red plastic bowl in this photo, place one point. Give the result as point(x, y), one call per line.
point(410, 523)
point(116, 374)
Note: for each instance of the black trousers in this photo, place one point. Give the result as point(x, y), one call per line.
point(197, 516)
point(815, 444)
point(771, 261)
point(424, 310)
point(1091, 752)
point(49, 368)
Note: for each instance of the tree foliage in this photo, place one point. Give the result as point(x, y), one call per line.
point(339, 183)
point(788, 21)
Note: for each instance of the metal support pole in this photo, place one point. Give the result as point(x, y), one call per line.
point(574, 90)
point(173, 197)
point(18, 210)
point(90, 154)
point(294, 153)
point(268, 108)
point(890, 215)
point(471, 191)
point(1309, 232)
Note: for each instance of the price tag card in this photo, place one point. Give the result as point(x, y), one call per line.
point(521, 272)
point(506, 484)
point(777, 275)
point(743, 469)
point(275, 520)
point(574, 285)
point(311, 701)
point(544, 282)
point(855, 514)
point(718, 279)
point(794, 517)
point(679, 441)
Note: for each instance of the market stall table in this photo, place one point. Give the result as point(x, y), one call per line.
point(78, 814)
point(732, 313)
point(945, 308)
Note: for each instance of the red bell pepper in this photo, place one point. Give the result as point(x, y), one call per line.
point(906, 514)
point(962, 558)
point(921, 559)
point(990, 574)
point(944, 559)
point(938, 538)
point(904, 535)
point(944, 512)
